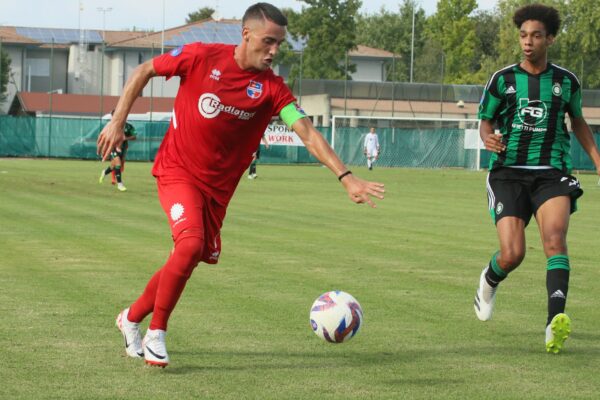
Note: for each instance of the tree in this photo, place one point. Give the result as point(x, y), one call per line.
point(329, 27)
point(4, 73)
point(202, 13)
point(487, 28)
point(453, 27)
point(393, 32)
point(580, 41)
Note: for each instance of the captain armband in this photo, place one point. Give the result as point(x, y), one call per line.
point(291, 113)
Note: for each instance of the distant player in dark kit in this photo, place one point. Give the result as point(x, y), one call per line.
point(117, 157)
point(226, 99)
point(255, 158)
point(531, 164)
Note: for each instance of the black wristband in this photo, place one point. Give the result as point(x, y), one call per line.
point(344, 174)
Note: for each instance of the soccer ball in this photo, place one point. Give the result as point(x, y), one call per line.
point(336, 316)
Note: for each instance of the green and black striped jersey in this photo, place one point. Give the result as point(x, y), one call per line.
point(129, 131)
point(529, 110)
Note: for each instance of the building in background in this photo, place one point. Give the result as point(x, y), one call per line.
point(90, 67)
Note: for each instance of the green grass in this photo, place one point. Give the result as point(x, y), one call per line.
point(73, 253)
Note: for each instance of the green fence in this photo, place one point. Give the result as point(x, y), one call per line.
point(76, 138)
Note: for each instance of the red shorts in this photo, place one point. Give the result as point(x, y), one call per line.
point(192, 213)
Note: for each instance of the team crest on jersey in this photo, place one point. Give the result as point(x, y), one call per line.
point(254, 89)
point(176, 52)
point(299, 109)
point(499, 208)
point(557, 89)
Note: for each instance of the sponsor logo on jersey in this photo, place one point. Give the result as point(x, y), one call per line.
point(254, 89)
point(176, 52)
point(210, 106)
point(215, 74)
point(557, 89)
point(535, 109)
point(511, 90)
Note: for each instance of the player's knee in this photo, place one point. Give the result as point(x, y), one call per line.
point(189, 249)
point(511, 258)
point(555, 244)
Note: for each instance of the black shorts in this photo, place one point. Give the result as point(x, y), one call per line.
point(518, 192)
point(114, 154)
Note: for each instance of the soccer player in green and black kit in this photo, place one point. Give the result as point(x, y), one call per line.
point(530, 165)
point(117, 157)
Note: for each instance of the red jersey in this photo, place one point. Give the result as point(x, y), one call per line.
point(221, 112)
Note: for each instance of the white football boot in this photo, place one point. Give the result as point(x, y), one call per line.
point(131, 334)
point(155, 350)
point(485, 297)
point(557, 332)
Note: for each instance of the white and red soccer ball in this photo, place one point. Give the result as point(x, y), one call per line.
point(336, 316)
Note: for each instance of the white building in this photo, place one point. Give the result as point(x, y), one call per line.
point(69, 61)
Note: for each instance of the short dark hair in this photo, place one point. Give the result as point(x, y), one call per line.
point(262, 11)
point(538, 12)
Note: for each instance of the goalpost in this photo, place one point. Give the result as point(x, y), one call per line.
point(410, 141)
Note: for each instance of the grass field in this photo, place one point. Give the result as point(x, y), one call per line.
point(73, 253)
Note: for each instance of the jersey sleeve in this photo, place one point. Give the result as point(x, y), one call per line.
point(574, 108)
point(282, 96)
point(179, 61)
point(491, 98)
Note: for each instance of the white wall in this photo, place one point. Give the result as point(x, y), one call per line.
point(368, 70)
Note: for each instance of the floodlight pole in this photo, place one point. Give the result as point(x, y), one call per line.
point(50, 99)
point(412, 44)
point(346, 84)
point(393, 81)
point(442, 88)
point(1, 92)
point(162, 46)
point(103, 10)
point(300, 80)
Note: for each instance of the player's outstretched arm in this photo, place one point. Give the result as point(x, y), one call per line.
point(584, 135)
point(112, 135)
point(359, 191)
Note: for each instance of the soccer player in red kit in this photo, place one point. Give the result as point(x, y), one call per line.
point(226, 98)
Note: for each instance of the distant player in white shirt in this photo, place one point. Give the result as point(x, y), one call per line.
point(371, 147)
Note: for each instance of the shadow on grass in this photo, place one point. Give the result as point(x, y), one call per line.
point(273, 360)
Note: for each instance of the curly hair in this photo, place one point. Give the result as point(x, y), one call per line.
point(538, 12)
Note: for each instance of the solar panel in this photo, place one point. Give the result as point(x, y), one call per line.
point(60, 36)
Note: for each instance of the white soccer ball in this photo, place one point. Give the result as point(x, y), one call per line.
point(336, 316)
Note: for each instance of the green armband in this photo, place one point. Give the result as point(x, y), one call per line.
point(291, 113)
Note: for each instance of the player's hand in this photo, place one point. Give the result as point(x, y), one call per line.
point(361, 191)
point(493, 142)
point(111, 138)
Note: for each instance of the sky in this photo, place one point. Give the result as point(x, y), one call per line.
point(148, 14)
